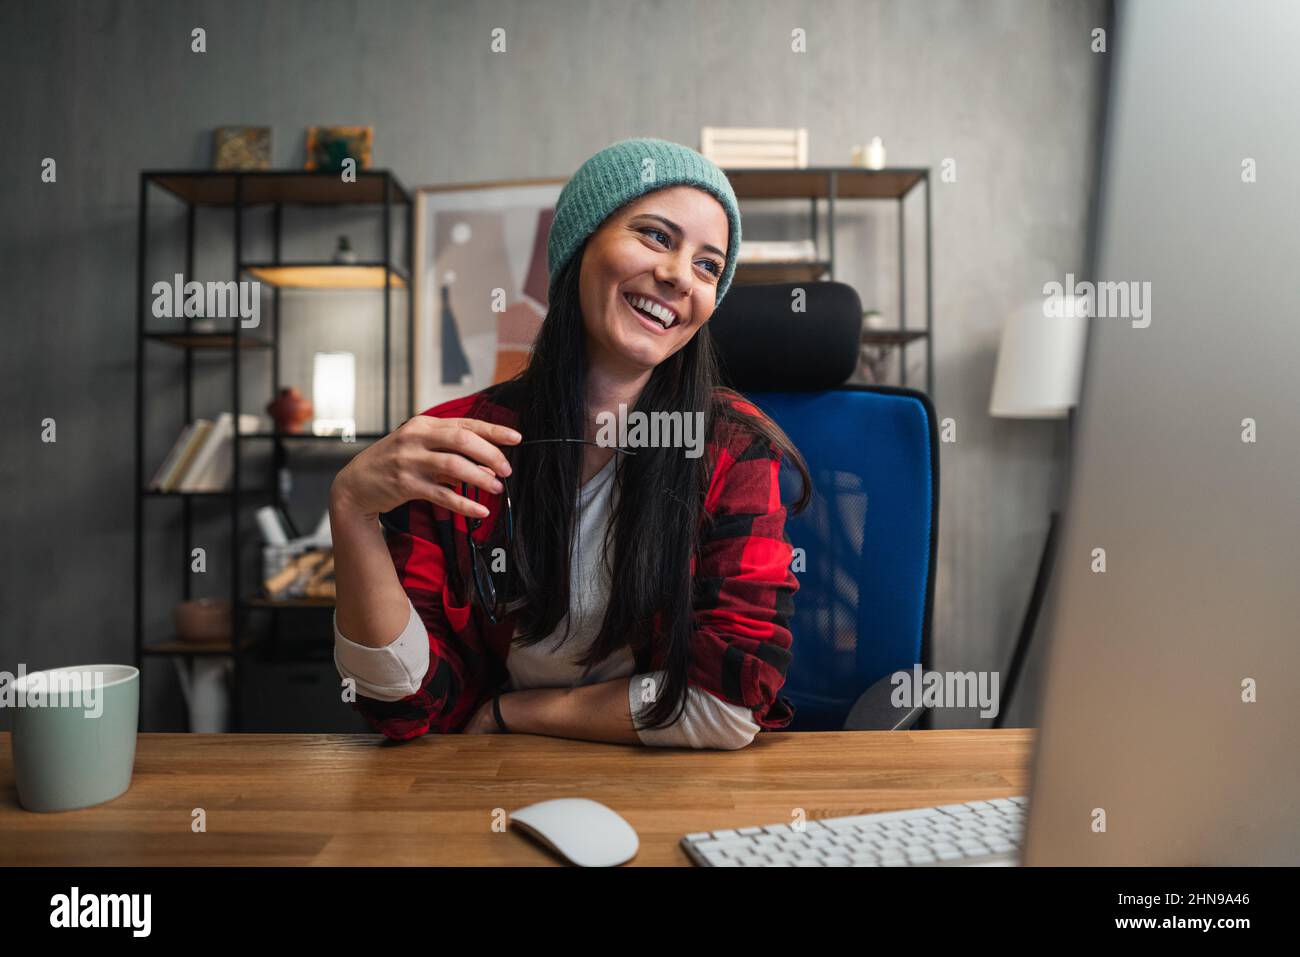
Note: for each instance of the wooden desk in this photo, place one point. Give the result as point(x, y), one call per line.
point(291, 799)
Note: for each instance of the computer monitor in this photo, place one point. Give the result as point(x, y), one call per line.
point(1170, 707)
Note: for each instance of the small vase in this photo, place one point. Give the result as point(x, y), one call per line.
point(289, 410)
point(345, 254)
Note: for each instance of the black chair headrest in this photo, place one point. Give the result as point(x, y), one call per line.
point(763, 344)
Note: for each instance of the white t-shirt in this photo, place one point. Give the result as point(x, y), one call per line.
point(396, 670)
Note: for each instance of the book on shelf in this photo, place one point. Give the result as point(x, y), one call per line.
point(211, 466)
point(182, 454)
point(169, 461)
point(202, 457)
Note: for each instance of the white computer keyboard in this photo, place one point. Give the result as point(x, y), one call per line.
point(977, 832)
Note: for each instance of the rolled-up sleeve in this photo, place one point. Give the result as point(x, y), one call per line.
point(705, 722)
point(392, 672)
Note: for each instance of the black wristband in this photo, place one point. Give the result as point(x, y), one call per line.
point(496, 713)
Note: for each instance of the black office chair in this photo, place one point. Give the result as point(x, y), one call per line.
point(868, 536)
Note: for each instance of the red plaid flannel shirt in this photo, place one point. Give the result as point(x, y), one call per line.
point(745, 590)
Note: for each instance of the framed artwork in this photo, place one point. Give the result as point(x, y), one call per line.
point(329, 146)
point(241, 147)
point(480, 282)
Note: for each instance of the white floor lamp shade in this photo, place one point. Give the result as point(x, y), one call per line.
point(1040, 360)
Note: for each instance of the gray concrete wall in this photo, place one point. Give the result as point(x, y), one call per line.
point(1007, 88)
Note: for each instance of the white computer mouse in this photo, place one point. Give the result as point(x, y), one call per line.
point(583, 832)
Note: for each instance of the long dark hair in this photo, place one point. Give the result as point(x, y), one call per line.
point(656, 523)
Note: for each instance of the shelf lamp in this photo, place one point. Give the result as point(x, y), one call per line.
point(334, 393)
point(1039, 370)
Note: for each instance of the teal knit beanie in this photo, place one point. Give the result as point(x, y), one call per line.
point(622, 172)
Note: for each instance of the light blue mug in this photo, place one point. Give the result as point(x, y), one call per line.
point(74, 733)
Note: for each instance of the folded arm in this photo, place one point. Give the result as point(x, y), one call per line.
point(601, 711)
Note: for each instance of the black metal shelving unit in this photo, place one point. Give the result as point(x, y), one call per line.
point(829, 184)
point(239, 192)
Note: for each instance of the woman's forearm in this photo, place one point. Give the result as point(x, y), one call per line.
point(594, 712)
point(371, 607)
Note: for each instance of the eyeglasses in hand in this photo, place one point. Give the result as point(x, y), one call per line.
point(492, 599)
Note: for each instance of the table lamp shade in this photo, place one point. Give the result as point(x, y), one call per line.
point(1040, 360)
point(334, 393)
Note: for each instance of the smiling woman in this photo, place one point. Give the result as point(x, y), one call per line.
point(642, 261)
point(647, 595)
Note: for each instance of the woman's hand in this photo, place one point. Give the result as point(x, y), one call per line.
point(484, 721)
point(420, 460)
